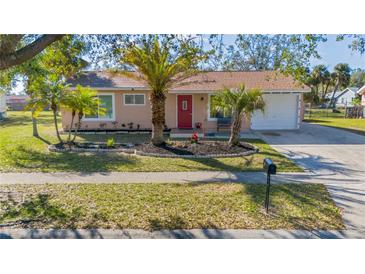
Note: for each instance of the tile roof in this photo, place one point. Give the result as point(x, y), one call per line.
point(207, 81)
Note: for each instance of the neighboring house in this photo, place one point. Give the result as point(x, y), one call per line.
point(362, 93)
point(16, 102)
point(192, 105)
point(2, 105)
point(344, 98)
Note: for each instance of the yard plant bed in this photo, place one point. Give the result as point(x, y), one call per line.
point(171, 149)
point(167, 206)
point(21, 152)
point(202, 149)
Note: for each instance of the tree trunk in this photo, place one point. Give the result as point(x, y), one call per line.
point(69, 130)
point(77, 128)
point(158, 117)
point(332, 103)
point(35, 126)
point(235, 129)
point(56, 125)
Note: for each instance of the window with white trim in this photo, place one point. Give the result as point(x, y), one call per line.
point(215, 112)
point(105, 110)
point(134, 99)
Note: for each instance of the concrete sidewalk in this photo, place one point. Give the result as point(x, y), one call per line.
point(177, 234)
point(176, 177)
point(348, 191)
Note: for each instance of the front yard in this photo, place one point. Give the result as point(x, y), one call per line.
point(353, 125)
point(167, 206)
point(21, 152)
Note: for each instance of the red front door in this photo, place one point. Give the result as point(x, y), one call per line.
point(184, 111)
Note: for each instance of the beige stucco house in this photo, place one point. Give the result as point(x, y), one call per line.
point(191, 105)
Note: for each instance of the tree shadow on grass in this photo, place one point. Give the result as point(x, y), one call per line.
point(25, 119)
point(173, 222)
point(215, 163)
point(43, 140)
point(28, 159)
point(37, 211)
point(285, 199)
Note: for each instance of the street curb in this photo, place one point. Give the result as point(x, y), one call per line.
point(178, 234)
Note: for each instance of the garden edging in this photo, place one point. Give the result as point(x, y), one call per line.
point(53, 148)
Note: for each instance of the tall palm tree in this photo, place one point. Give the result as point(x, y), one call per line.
point(160, 67)
point(81, 101)
point(241, 102)
point(341, 76)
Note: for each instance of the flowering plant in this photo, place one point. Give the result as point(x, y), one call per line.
point(194, 138)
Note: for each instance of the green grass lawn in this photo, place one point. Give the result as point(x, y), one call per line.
point(353, 125)
point(168, 206)
point(21, 152)
point(324, 113)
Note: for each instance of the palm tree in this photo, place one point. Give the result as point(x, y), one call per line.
point(160, 67)
point(35, 105)
point(241, 102)
point(341, 76)
point(81, 101)
point(49, 93)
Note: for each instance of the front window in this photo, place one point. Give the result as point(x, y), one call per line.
point(106, 104)
point(215, 112)
point(134, 99)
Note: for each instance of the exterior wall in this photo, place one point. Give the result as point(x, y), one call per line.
point(345, 99)
point(302, 107)
point(2, 106)
point(141, 115)
point(124, 114)
point(363, 99)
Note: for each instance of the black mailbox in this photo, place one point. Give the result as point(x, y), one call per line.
point(269, 166)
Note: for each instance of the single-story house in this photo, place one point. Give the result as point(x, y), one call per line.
point(192, 105)
point(17, 102)
point(2, 105)
point(344, 97)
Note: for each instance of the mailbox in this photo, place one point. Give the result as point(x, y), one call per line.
point(269, 166)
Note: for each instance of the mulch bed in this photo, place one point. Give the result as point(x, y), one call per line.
point(201, 148)
point(171, 149)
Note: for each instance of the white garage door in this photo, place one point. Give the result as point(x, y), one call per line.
point(281, 112)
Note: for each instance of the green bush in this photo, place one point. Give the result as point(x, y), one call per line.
point(110, 142)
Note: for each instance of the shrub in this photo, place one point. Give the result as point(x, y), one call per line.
point(110, 142)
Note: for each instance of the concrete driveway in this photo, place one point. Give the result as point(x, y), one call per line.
point(332, 156)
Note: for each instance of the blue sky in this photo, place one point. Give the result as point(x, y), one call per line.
point(333, 52)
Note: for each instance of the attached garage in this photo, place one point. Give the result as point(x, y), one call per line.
point(282, 111)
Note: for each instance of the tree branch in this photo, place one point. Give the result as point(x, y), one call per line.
point(18, 57)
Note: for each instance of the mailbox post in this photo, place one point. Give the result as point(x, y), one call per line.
point(269, 168)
